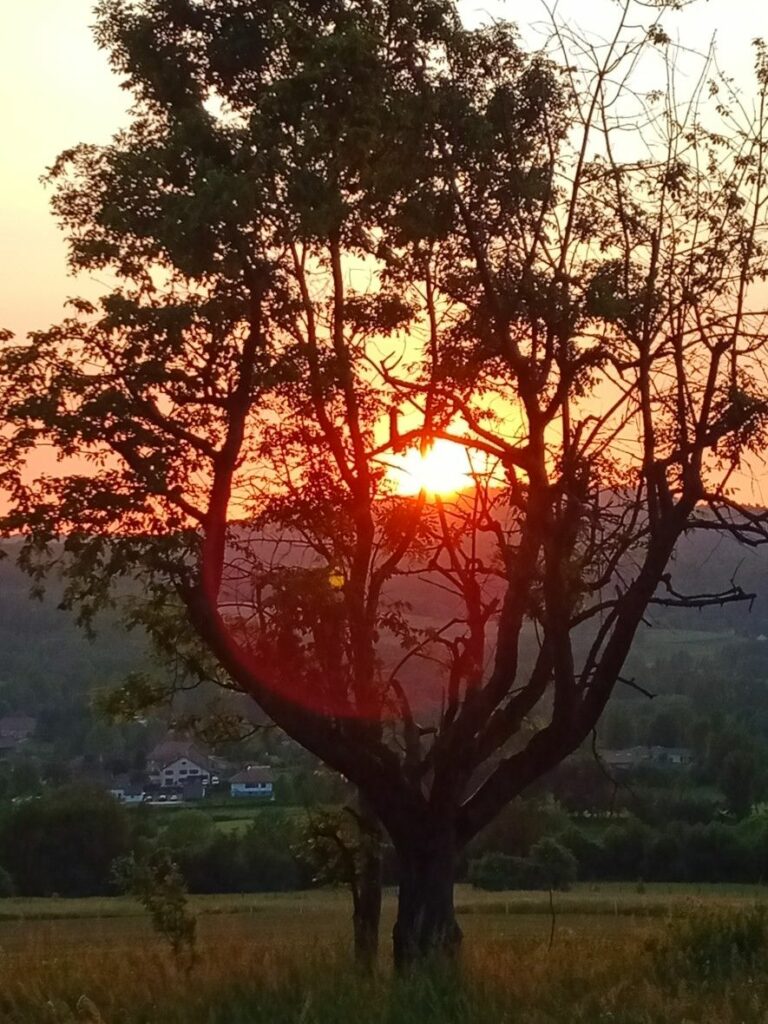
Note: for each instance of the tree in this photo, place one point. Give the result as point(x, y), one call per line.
point(64, 842)
point(189, 832)
point(738, 780)
point(667, 728)
point(557, 864)
point(346, 229)
point(618, 727)
point(343, 848)
point(156, 882)
point(7, 888)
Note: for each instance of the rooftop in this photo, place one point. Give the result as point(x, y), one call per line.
point(254, 776)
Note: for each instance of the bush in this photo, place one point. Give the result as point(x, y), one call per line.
point(662, 806)
point(712, 947)
point(64, 842)
point(589, 853)
point(520, 825)
point(550, 866)
point(7, 887)
point(499, 871)
point(191, 832)
point(753, 834)
point(260, 859)
point(714, 853)
point(271, 864)
point(556, 864)
point(626, 847)
point(665, 857)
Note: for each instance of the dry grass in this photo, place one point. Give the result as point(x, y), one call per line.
point(287, 960)
point(604, 899)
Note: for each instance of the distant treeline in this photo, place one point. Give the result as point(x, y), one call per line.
point(66, 843)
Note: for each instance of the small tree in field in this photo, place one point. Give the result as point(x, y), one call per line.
point(343, 847)
point(341, 229)
point(156, 882)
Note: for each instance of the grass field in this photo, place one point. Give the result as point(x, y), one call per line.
point(230, 817)
point(286, 958)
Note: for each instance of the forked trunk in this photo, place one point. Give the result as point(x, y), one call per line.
point(426, 920)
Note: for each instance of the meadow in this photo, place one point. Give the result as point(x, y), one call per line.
point(618, 956)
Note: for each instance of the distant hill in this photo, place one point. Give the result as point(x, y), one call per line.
point(706, 562)
point(45, 659)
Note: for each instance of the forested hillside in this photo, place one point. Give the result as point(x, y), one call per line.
point(46, 659)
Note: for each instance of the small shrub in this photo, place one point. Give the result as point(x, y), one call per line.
point(158, 885)
point(712, 947)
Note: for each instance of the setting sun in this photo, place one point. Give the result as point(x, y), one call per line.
point(443, 469)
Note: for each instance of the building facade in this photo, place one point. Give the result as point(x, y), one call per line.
point(257, 782)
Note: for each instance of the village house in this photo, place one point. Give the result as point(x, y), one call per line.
point(174, 763)
point(637, 757)
point(193, 790)
point(257, 781)
point(125, 791)
point(680, 757)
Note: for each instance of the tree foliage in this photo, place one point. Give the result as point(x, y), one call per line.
point(64, 842)
point(157, 883)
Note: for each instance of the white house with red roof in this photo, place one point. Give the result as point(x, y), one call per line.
point(176, 762)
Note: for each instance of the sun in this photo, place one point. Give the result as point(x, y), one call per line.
point(443, 469)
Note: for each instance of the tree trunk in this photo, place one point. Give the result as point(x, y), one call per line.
point(366, 891)
point(426, 920)
point(367, 910)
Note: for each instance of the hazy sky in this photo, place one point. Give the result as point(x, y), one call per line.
point(56, 90)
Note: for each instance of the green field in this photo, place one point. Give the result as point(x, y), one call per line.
point(231, 817)
point(285, 958)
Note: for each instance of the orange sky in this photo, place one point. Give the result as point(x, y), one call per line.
point(56, 90)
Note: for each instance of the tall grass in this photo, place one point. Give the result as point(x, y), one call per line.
point(612, 970)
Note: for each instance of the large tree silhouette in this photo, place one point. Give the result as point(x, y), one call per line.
point(340, 228)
